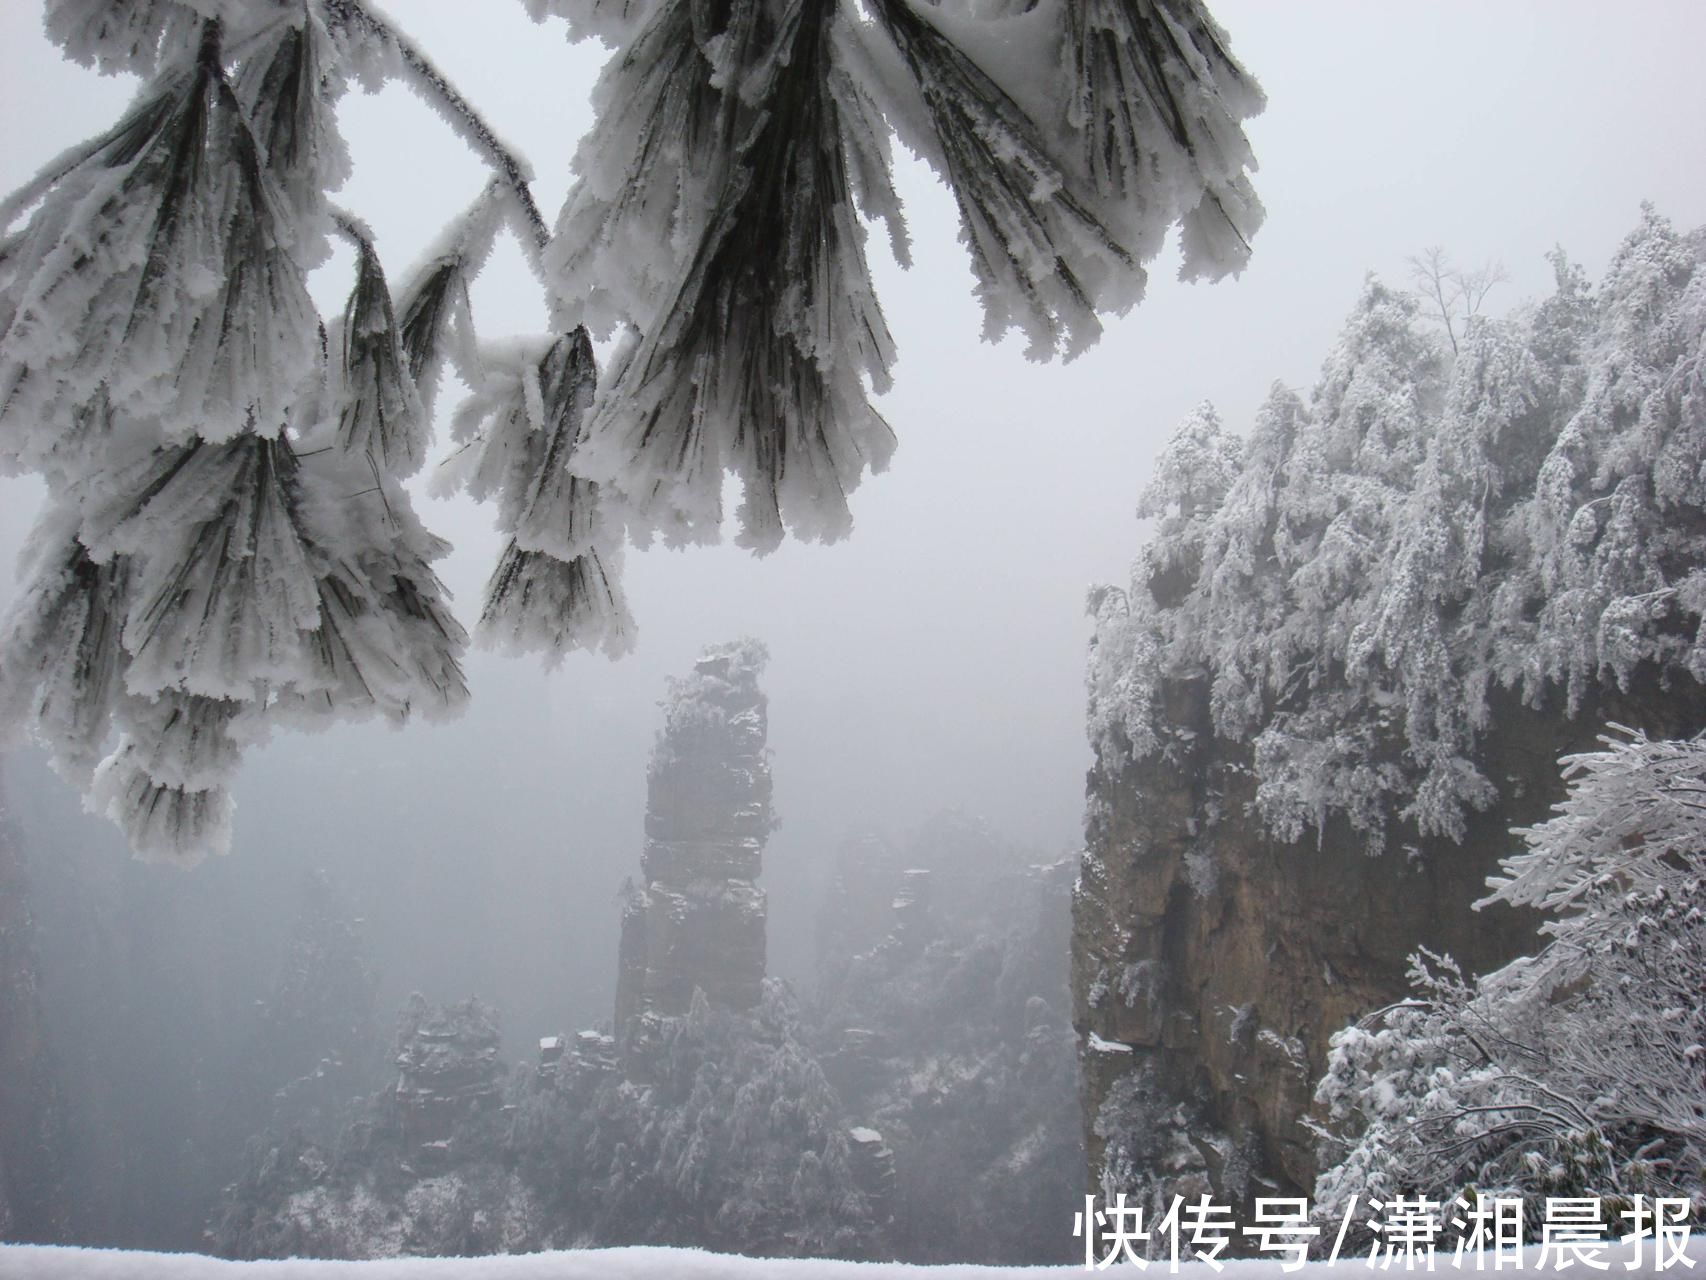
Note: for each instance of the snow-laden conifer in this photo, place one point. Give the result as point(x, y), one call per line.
point(1192, 477)
point(1613, 519)
point(1523, 514)
point(1579, 1069)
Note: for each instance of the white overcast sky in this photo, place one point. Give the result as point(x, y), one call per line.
point(936, 657)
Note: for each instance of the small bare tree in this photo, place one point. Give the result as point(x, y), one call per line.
point(1457, 292)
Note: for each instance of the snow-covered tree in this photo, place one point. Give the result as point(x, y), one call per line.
point(1616, 517)
point(1357, 580)
point(730, 1138)
point(228, 545)
point(1580, 1068)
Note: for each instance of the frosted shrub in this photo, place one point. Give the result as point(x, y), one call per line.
point(1580, 1068)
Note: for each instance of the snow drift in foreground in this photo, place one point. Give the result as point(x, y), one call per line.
point(29, 1262)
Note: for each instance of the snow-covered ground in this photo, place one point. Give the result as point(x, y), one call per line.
point(25, 1262)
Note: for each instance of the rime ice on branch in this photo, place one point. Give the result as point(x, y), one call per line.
point(228, 545)
point(717, 216)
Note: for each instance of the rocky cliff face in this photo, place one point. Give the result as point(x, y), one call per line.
point(1212, 962)
point(447, 1069)
point(699, 919)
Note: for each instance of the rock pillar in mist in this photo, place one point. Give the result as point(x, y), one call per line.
point(697, 920)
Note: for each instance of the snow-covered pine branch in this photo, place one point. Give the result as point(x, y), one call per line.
point(159, 276)
point(1158, 103)
point(767, 329)
point(380, 413)
point(557, 583)
point(715, 218)
point(213, 568)
point(364, 21)
point(211, 444)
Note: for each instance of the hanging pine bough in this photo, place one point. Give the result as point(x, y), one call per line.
point(715, 217)
point(756, 365)
point(165, 782)
point(536, 603)
point(195, 582)
point(158, 274)
point(1158, 105)
point(228, 546)
point(1043, 259)
point(380, 414)
point(552, 590)
point(63, 656)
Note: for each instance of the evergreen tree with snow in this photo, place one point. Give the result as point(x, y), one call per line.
point(1360, 580)
point(1433, 539)
point(228, 547)
point(731, 1139)
point(1577, 1070)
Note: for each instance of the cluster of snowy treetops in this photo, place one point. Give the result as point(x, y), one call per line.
point(1579, 1069)
point(733, 1141)
point(1359, 576)
point(228, 545)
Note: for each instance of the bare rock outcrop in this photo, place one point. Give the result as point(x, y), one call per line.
point(448, 1070)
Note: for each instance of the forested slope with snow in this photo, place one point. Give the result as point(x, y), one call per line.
point(1517, 507)
point(1347, 666)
